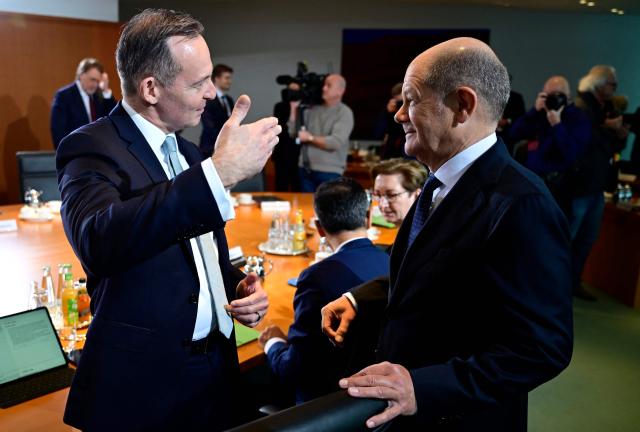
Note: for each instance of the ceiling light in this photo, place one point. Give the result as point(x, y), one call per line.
point(620, 12)
point(614, 10)
point(582, 2)
point(591, 4)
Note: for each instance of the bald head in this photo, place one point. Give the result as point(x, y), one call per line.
point(333, 89)
point(557, 84)
point(466, 62)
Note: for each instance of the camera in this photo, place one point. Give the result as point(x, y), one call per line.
point(555, 101)
point(311, 84)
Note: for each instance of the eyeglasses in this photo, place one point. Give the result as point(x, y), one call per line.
point(388, 197)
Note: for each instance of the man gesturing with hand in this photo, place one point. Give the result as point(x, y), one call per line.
point(477, 308)
point(146, 218)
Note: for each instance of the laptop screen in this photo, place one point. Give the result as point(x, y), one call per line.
point(28, 345)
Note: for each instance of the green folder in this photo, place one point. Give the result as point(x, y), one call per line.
point(245, 334)
point(380, 221)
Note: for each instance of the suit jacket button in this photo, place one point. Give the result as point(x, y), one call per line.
point(193, 298)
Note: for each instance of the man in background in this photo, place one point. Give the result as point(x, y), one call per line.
point(341, 207)
point(325, 142)
point(218, 110)
point(83, 101)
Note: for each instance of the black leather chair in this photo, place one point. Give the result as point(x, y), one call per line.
point(37, 170)
point(336, 412)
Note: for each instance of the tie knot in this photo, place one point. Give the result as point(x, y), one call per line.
point(169, 145)
point(432, 183)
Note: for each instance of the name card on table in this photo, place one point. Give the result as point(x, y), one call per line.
point(8, 225)
point(275, 206)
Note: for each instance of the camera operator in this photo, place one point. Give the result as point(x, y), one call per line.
point(286, 153)
point(325, 142)
point(557, 133)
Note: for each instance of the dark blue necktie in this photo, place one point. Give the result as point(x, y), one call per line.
point(421, 214)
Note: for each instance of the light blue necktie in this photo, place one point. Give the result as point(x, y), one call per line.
point(218, 296)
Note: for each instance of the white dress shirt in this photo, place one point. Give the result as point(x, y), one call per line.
point(155, 137)
point(449, 174)
point(85, 99)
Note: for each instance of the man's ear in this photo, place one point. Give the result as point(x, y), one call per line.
point(466, 103)
point(150, 90)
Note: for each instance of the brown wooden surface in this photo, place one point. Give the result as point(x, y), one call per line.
point(40, 55)
point(614, 263)
point(23, 253)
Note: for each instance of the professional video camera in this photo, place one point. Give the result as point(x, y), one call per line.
point(311, 84)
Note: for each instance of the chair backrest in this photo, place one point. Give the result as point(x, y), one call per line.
point(37, 170)
point(336, 412)
point(253, 184)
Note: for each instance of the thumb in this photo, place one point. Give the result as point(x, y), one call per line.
point(240, 110)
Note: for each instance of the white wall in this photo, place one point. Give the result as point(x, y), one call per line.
point(262, 39)
point(98, 10)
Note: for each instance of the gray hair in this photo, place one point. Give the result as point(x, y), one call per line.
point(86, 64)
point(479, 69)
point(143, 51)
point(596, 78)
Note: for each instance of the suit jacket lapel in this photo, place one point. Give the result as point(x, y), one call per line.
point(138, 145)
point(446, 221)
point(80, 103)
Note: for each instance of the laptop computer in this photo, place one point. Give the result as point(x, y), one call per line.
point(32, 362)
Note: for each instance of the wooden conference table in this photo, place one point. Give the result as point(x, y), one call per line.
point(35, 244)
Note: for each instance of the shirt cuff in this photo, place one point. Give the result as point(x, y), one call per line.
point(220, 194)
point(107, 94)
point(351, 299)
point(271, 342)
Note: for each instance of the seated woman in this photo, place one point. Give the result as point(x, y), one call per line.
point(397, 184)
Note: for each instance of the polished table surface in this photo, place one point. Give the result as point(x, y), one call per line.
point(35, 244)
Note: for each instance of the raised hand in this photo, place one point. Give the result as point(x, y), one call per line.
point(336, 318)
point(241, 151)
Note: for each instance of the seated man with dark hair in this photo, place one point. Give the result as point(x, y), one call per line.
point(341, 207)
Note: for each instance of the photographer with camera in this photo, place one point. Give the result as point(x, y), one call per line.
point(557, 133)
point(325, 140)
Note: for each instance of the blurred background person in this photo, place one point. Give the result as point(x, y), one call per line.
point(85, 100)
point(306, 359)
point(218, 110)
point(286, 154)
point(393, 134)
point(595, 91)
point(397, 184)
point(558, 133)
point(325, 142)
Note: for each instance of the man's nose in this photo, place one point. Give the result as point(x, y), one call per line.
point(401, 114)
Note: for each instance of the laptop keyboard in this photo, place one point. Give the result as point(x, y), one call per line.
point(31, 388)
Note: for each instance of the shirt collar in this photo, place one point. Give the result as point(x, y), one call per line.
point(83, 93)
point(453, 169)
point(219, 93)
point(152, 133)
point(346, 242)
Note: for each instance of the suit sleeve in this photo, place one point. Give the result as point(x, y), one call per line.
point(111, 227)
point(59, 119)
point(528, 262)
point(371, 298)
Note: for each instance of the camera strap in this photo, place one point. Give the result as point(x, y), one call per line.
point(306, 163)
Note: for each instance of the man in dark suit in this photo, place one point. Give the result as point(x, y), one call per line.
point(83, 101)
point(146, 219)
point(477, 308)
point(341, 206)
point(217, 111)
